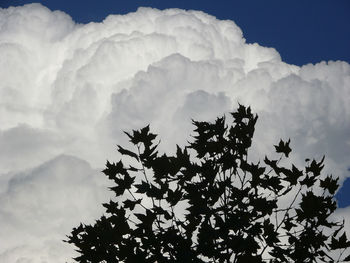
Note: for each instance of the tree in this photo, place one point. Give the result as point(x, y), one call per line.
point(210, 203)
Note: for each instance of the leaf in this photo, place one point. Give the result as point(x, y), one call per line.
point(127, 152)
point(283, 147)
point(313, 206)
point(131, 203)
point(341, 242)
point(122, 184)
point(246, 258)
point(288, 224)
point(263, 205)
point(315, 167)
point(114, 169)
point(329, 184)
point(146, 220)
point(293, 176)
point(142, 188)
point(128, 181)
point(308, 181)
point(113, 208)
point(270, 235)
point(174, 196)
point(274, 183)
point(340, 227)
point(118, 190)
point(155, 192)
point(141, 136)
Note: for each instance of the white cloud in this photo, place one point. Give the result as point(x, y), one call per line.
point(40, 206)
point(72, 89)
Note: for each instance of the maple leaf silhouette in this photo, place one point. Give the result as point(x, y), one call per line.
point(283, 147)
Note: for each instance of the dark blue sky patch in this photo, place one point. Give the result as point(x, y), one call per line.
point(343, 194)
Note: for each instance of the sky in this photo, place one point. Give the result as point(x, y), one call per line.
point(69, 88)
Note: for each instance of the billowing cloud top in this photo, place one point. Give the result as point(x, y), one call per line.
point(68, 91)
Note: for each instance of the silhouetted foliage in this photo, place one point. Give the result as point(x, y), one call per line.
point(209, 203)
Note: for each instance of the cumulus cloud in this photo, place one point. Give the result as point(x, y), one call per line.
point(41, 204)
point(69, 90)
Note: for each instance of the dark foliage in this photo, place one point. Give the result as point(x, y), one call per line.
point(209, 203)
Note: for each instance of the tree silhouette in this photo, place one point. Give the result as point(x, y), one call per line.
point(209, 203)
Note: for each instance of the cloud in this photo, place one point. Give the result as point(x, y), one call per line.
point(41, 205)
point(24, 146)
point(69, 90)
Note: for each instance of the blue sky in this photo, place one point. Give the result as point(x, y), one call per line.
point(301, 31)
point(68, 90)
point(343, 194)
